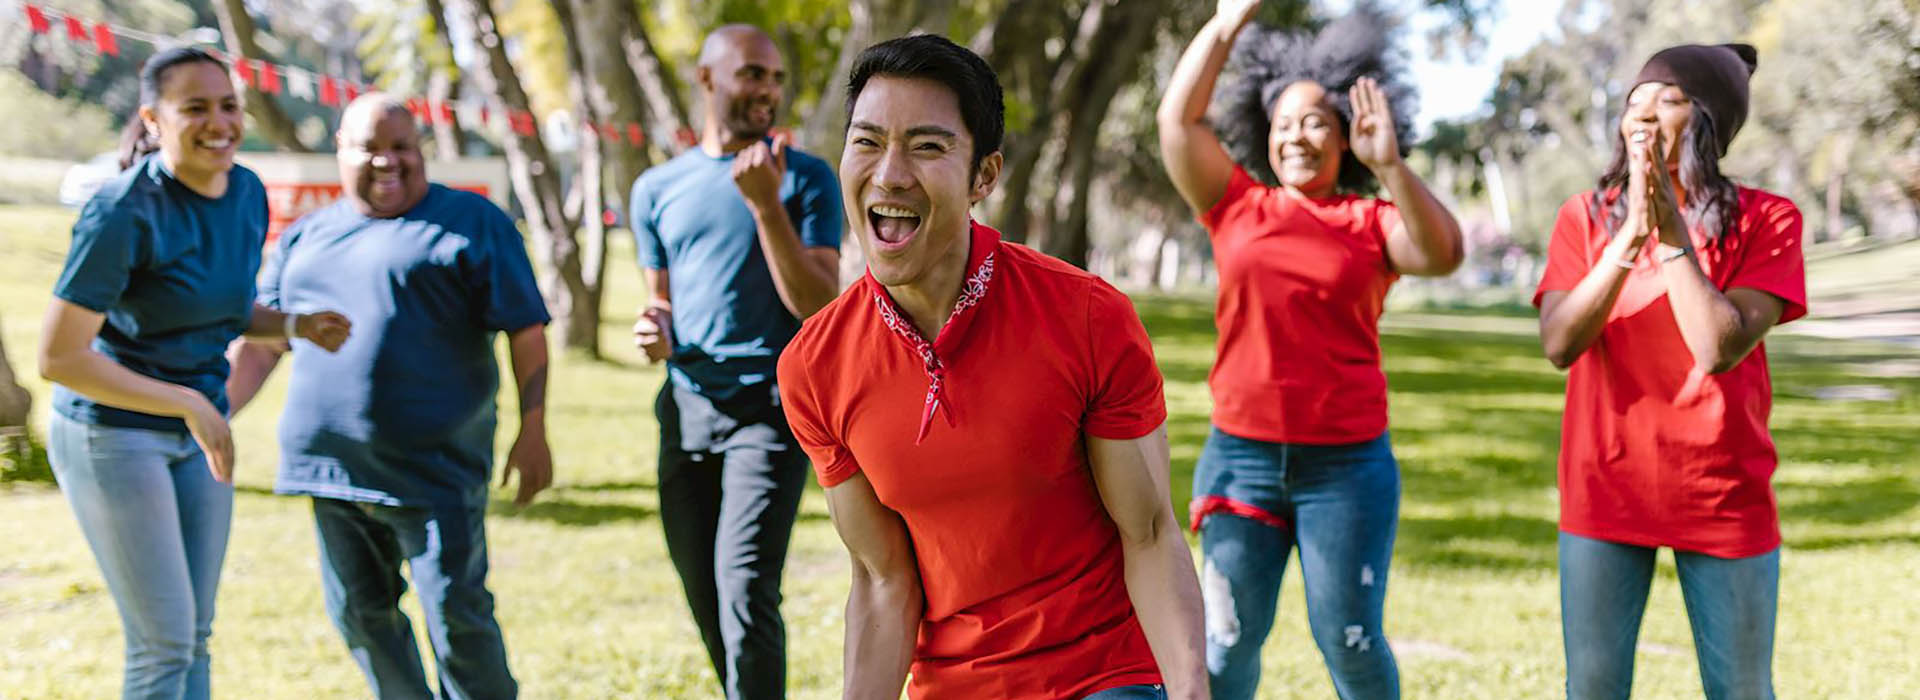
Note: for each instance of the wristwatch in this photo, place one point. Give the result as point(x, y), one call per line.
point(1666, 253)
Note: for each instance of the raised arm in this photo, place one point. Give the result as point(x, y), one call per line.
point(1132, 477)
point(886, 602)
point(1427, 239)
point(1197, 163)
point(806, 277)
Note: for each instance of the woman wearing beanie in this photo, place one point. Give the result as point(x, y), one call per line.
point(1660, 284)
point(1299, 456)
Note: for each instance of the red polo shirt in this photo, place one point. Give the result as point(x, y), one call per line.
point(1020, 563)
point(1302, 282)
point(1653, 451)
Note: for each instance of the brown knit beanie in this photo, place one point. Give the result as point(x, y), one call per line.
point(1717, 76)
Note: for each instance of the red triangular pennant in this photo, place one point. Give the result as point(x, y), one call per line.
point(243, 70)
point(329, 91)
point(444, 115)
point(103, 40)
point(352, 91)
point(269, 78)
point(522, 123)
point(685, 136)
point(38, 20)
point(75, 30)
point(634, 135)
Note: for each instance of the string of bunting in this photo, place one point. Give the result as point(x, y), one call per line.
point(327, 90)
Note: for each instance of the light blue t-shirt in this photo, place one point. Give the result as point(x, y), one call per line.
point(403, 413)
point(173, 271)
point(691, 220)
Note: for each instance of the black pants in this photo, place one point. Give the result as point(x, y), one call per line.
point(731, 476)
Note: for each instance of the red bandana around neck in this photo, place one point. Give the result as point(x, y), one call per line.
point(985, 241)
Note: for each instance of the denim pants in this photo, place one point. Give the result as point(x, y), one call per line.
point(1340, 505)
point(157, 524)
point(1731, 604)
point(731, 476)
point(362, 547)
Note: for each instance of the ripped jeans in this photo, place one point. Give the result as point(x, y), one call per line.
point(1253, 502)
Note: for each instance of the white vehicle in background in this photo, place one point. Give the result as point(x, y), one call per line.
point(83, 179)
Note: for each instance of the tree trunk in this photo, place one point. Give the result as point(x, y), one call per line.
point(443, 88)
point(1110, 59)
point(237, 26)
point(665, 113)
point(536, 183)
point(1016, 47)
point(610, 91)
point(873, 21)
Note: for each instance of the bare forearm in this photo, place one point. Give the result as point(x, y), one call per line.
point(804, 286)
point(527, 349)
point(1433, 233)
point(99, 378)
point(883, 623)
point(1709, 323)
point(1166, 598)
point(1572, 326)
point(1191, 87)
point(252, 363)
point(267, 322)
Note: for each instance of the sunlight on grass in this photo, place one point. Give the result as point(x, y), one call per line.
point(592, 609)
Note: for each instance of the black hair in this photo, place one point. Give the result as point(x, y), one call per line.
point(135, 142)
point(1713, 201)
point(936, 58)
point(1266, 61)
point(154, 73)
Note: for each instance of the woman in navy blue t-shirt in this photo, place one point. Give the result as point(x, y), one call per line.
point(159, 279)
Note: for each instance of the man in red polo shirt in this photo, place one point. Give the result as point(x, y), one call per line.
point(1002, 487)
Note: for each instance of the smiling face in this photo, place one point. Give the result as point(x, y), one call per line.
point(1656, 107)
point(1305, 143)
point(196, 120)
point(381, 168)
point(743, 80)
point(908, 181)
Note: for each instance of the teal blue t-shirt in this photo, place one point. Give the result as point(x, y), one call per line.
point(690, 220)
point(173, 271)
point(403, 413)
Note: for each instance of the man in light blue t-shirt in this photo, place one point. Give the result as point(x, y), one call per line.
point(392, 436)
point(739, 239)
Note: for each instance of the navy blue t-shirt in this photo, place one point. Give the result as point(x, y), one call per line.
point(173, 271)
point(691, 220)
point(403, 413)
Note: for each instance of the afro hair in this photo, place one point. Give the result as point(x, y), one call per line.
point(1265, 61)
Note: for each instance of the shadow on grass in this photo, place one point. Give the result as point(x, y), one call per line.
point(554, 509)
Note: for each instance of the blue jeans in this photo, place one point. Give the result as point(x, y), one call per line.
point(1130, 692)
point(1340, 504)
point(157, 523)
point(1730, 602)
point(361, 549)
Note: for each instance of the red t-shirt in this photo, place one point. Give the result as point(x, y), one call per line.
point(1020, 563)
point(1653, 451)
point(1302, 282)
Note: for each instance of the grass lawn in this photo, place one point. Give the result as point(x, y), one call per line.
point(592, 608)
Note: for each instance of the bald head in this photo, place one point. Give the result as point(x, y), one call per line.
point(741, 75)
point(378, 146)
point(733, 40)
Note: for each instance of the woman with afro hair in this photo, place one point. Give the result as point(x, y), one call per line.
point(1307, 127)
point(1661, 283)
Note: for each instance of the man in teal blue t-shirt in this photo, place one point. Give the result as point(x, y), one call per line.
point(739, 239)
point(392, 436)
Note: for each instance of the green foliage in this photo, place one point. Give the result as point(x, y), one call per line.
point(84, 128)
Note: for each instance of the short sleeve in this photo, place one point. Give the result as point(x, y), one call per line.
point(1239, 185)
point(1775, 260)
point(108, 245)
point(820, 219)
point(1127, 400)
point(646, 238)
point(1567, 257)
point(833, 463)
point(1386, 218)
point(511, 298)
